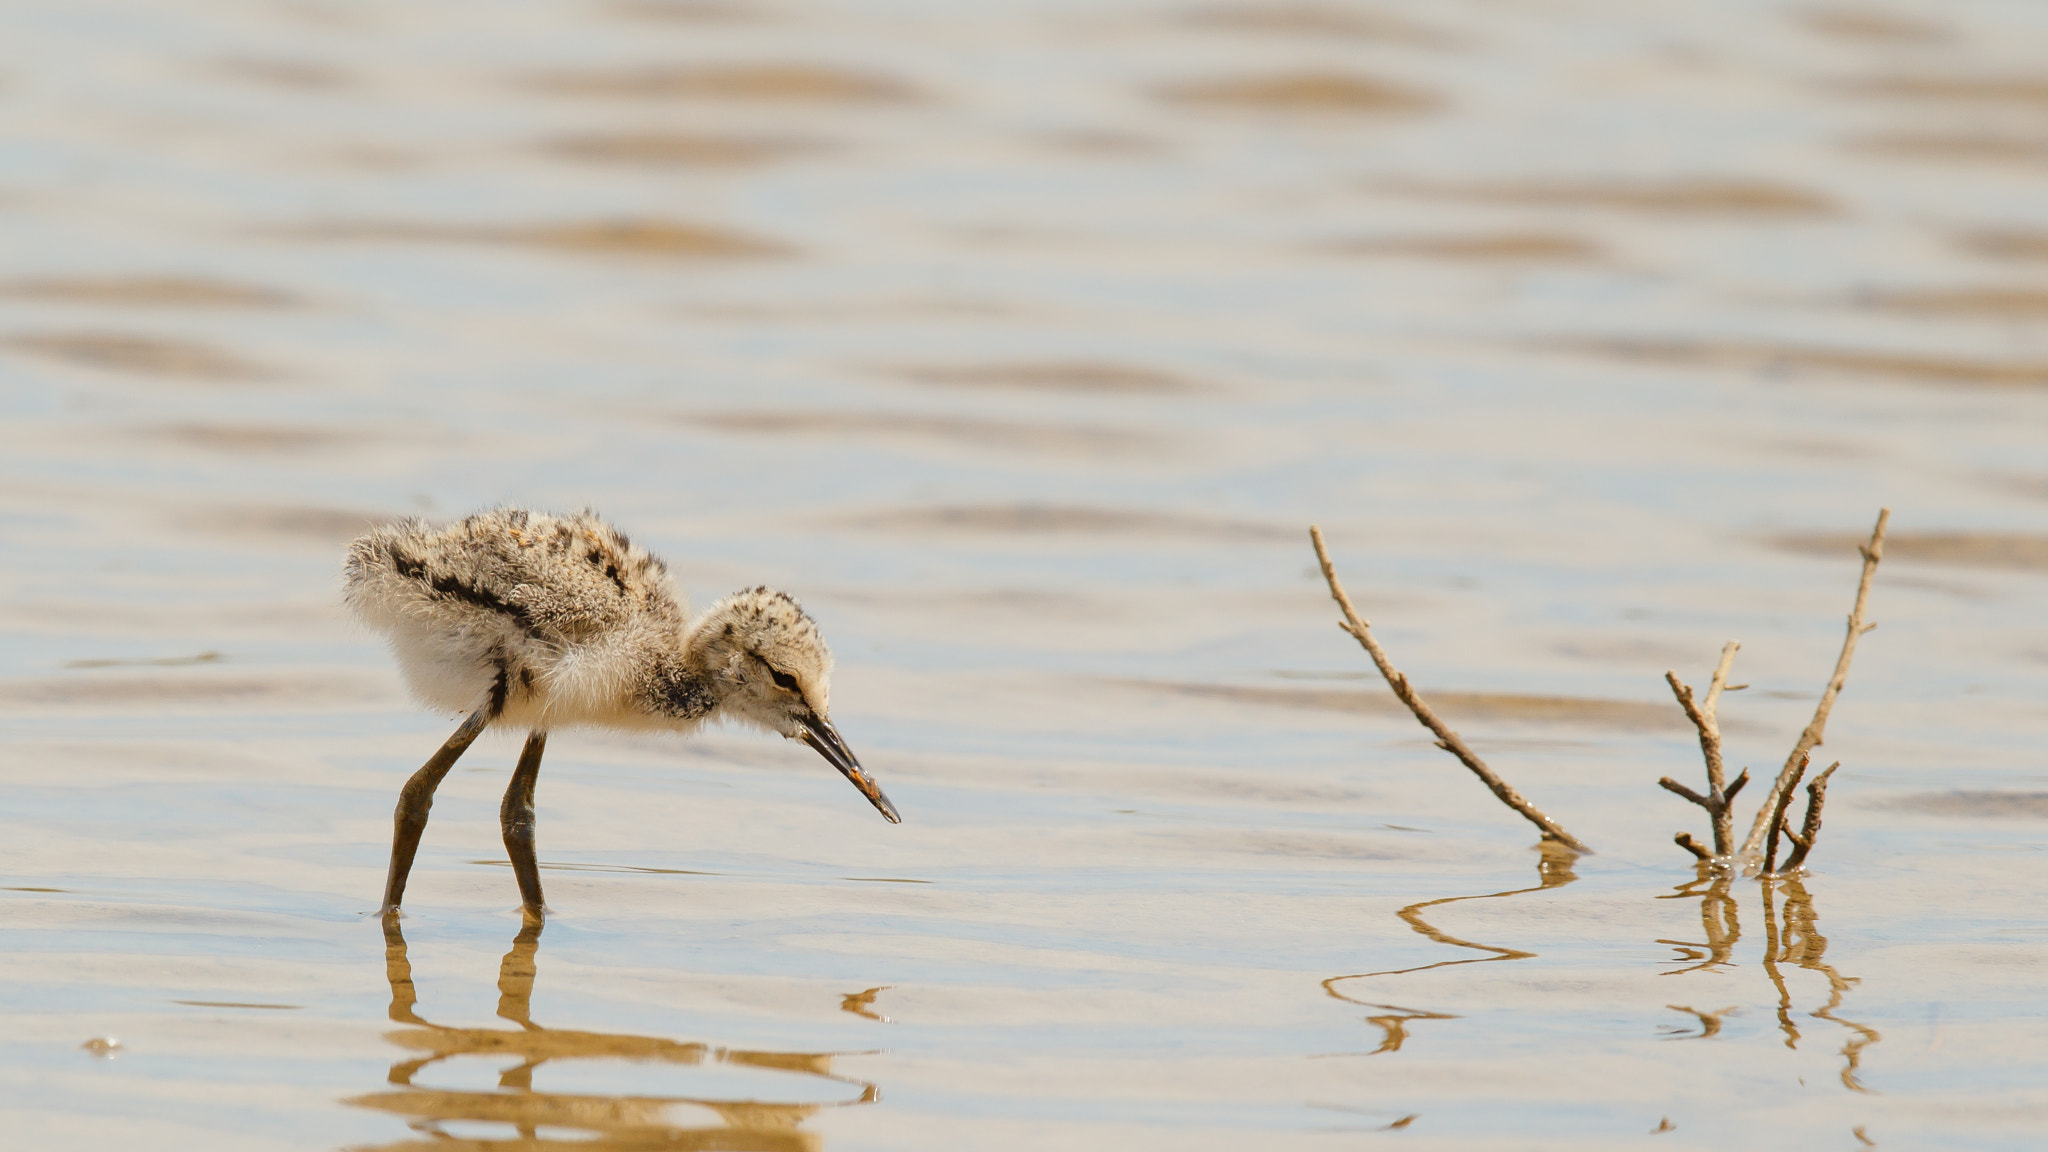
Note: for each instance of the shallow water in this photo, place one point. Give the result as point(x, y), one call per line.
point(1023, 344)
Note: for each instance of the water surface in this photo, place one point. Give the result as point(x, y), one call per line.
point(1022, 343)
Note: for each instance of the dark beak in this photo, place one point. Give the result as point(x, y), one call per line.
point(825, 738)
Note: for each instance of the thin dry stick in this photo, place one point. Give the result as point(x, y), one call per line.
point(1778, 819)
point(1446, 739)
point(1811, 738)
point(1718, 794)
point(1802, 841)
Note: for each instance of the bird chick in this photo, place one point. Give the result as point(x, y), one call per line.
point(519, 617)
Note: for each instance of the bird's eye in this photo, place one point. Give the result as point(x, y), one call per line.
point(783, 679)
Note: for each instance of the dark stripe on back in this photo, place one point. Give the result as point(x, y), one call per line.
point(407, 566)
point(448, 586)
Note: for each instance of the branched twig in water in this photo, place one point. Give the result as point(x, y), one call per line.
point(1773, 807)
point(1446, 739)
point(1778, 818)
point(1719, 793)
point(1802, 841)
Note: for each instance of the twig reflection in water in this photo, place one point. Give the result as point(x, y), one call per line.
point(1710, 1024)
point(1793, 938)
point(1553, 870)
point(1718, 920)
point(598, 1123)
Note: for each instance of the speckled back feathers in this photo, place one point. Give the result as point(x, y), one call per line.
point(553, 620)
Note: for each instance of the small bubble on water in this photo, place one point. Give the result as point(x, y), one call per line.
point(103, 1047)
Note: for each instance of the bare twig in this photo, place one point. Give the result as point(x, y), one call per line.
point(1684, 840)
point(1703, 718)
point(1766, 822)
point(1446, 739)
point(1670, 785)
point(1802, 841)
point(1720, 683)
point(1778, 818)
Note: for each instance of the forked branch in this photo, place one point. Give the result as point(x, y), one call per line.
point(1778, 818)
point(1802, 840)
point(1446, 739)
point(1719, 793)
point(1771, 810)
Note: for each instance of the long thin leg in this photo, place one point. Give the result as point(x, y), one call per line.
point(416, 799)
point(515, 817)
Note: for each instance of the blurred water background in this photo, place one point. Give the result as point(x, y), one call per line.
point(1022, 342)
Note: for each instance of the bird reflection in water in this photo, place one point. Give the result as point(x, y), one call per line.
point(591, 1123)
point(1791, 936)
point(1553, 870)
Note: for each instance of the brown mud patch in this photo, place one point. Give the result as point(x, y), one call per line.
point(1792, 359)
point(127, 692)
point(1455, 707)
point(656, 238)
point(1300, 845)
point(958, 431)
point(1694, 196)
point(1997, 302)
point(2003, 550)
point(131, 354)
point(2024, 91)
point(1313, 92)
point(293, 75)
point(674, 149)
point(1051, 376)
point(147, 292)
point(1038, 603)
point(1944, 147)
point(2023, 484)
point(286, 522)
point(2006, 244)
point(255, 438)
point(208, 657)
point(1973, 805)
point(683, 11)
point(1102, 142)
point(1053, 519)
point(778, 83)
point(1318, 21)
point(1474, 248)
point(1864, 26)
